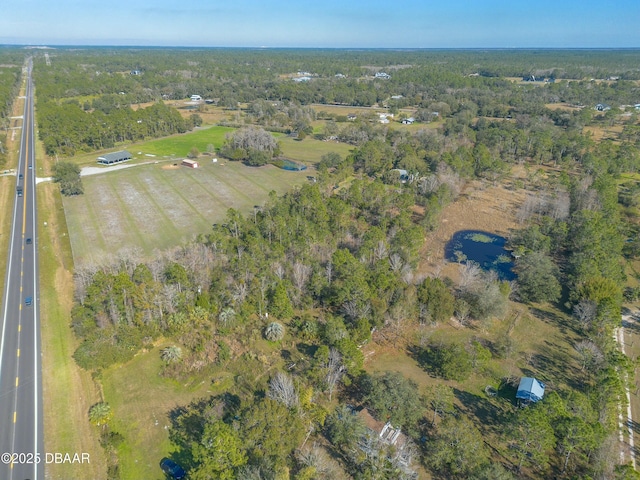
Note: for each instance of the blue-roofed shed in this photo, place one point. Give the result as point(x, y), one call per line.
point(530, 390)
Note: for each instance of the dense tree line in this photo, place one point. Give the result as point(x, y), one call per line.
point(66, 129)
point(10, 68)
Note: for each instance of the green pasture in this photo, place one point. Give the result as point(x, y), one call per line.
point(151, 207)
point(141, 400)
point(310, 150)
point(181, 145)
point(307, 151)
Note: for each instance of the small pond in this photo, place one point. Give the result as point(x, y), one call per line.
point(485, 249)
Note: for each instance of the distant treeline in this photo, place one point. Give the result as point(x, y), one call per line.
point(67, 129)
point(11, 63)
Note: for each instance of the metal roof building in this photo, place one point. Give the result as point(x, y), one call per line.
point(114, 157)
point(530, 390)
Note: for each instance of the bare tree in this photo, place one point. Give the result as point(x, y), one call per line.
point(559, 206)
point(300, 274)
point(170, 298)
point(335, 370)
point(395, 261)
point(240, 292)
point(527, 209)
point(380, 251)
point(281, 389)
point(129, 258)
point(591, 357)
point(470, 275)
point(585, 312)
point(325, 466)
point(329, 272)
point(83, 277)
point(278, 270)
point(428, 184)
point(406, 274)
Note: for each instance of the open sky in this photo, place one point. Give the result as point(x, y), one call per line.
point(324, 23)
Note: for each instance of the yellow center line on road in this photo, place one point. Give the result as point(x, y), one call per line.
point(18, 352)
point(15, 416)
point(19, 328)
point(17, 378)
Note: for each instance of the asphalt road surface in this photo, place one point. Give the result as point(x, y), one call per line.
point(21, 427)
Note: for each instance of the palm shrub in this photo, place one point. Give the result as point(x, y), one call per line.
point(274, 331)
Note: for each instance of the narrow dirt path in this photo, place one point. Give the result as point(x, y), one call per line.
point(628, 447)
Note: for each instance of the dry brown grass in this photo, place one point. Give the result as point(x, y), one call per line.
point(562, 106)
point(480, 207)
point(599, 133)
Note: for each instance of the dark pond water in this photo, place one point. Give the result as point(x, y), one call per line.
point(484, 248)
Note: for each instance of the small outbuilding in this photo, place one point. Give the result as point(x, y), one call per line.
point(114, 157)
point(190, 163)
point(530, 390)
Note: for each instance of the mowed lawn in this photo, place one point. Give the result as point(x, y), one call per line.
point(308, 151)
point(181, 145)
point(155, 207)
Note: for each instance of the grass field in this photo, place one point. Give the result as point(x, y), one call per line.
point(309, 150)
point(68, 391)
point(157, 206)
point(180, 145)
point(141, 400)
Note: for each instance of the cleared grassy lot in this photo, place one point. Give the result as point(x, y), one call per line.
point(159, 205)
point(68, 390)
point(180, 145)
point(141, 400)
point(309, 150)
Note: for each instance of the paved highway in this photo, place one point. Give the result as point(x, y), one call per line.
point(21, 428)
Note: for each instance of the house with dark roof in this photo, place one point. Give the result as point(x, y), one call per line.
point(114, 157)
point(602, 107)
point(529, 391)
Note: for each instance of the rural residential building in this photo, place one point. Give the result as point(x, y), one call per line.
point(196, 98)
point(530, 390)
point(404, 175)
point(386, 434)
point(408, 121)
point(190, 163)
point(602, 107)
point(382, 75)
point(114, 157)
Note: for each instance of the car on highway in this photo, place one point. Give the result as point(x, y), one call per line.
point(30, 166)
point(28, 301)
point(172, 469)
point(20, 177)
point(28, 241)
